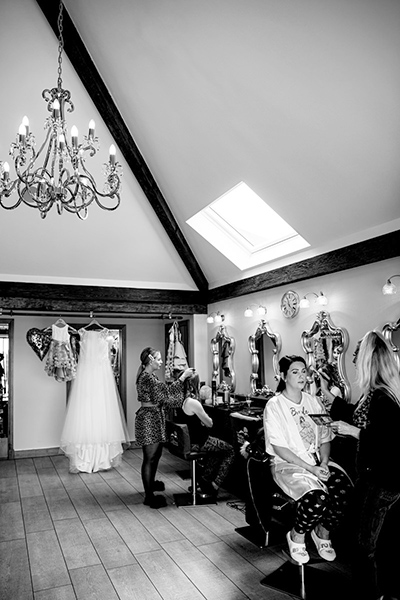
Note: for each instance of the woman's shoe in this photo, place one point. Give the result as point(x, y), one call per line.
point(155, 502)
point(298, 552)
point(158, 486)
point(324, 547)
point(207, 487)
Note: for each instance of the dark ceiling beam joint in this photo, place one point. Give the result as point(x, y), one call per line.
point(91, 79)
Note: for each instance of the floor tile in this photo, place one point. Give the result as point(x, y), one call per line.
point(77, 549)
point(46, 561)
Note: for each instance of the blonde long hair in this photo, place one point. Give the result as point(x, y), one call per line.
point(376, 366)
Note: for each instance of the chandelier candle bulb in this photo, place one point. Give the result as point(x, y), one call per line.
point(74, 136)
point(6, 171)
point(112, 155)
point(25, 122)
point(56, 109)
point(22, 134)
point(61, 142)
point(91, 128)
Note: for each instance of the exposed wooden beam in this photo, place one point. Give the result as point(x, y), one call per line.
point(356, 255)
point(75, 298)
point(90, 77)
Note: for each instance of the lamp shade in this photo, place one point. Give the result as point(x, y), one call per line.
point(322, 300)
point(304, 303)
point(389, 288)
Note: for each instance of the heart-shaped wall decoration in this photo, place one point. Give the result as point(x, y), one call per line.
point(39, 340)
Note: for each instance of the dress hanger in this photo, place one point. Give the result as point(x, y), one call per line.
point(93, 325)
point(60, 323)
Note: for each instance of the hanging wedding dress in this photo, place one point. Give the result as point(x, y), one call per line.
point(95, 427)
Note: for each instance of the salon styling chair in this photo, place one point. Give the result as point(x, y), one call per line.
point(270, 514)
point(178, 443)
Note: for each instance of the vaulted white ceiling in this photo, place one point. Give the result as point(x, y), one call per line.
point(298, 99)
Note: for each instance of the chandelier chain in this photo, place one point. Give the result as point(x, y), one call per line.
point(60, 44)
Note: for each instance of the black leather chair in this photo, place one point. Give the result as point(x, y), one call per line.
point(267, 507)
point(270, 514)
point(178, 443)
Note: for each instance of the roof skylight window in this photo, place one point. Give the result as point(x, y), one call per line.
point(245, 229)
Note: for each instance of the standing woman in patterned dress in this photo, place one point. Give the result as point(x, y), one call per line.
point(150, 419)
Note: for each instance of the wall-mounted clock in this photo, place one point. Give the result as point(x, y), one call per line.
point(290, 304)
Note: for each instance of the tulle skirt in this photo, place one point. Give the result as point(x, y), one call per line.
point(95, 429)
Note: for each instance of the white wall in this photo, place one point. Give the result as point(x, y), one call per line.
point(356, 303)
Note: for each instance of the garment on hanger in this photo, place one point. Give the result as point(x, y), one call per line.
point(95, 429)
point(61, 360)
point(176, 355)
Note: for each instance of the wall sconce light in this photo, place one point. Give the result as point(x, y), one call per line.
point(389, 287)
point(215, 317)
point(261, 310)
point(320, 299)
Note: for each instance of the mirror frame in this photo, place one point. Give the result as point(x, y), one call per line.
point(263, 329)
point(387, 332)
point(323, 323)
point(222, 335)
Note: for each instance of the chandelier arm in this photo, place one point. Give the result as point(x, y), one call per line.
point(6, 193)
point(113, 181)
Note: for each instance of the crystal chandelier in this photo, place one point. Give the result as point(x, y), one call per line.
point(62, 180)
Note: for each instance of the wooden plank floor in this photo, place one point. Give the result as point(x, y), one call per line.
point(89, 537)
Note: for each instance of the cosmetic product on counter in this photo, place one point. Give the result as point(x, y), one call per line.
point(214, 392)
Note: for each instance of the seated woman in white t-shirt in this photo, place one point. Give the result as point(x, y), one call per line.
point(300, 466)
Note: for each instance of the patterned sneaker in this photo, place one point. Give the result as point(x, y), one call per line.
point(298, 552)
point(324, 547)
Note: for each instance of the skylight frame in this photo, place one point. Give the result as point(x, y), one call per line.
point(232, 243)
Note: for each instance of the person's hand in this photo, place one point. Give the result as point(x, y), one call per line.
point(243, 449)
point(343, 428)
point(187, 373)
point(322, 471)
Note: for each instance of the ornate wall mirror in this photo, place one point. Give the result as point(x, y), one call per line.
point(391, 332)
point(264, 347)
point(223, 349)
point(325, 345)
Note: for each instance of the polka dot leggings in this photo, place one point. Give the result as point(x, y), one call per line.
point(326, 508)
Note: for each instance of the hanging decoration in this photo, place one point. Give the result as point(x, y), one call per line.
point(39, 340)
point(62, 179)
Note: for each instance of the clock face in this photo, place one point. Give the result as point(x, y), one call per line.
point(290, 304)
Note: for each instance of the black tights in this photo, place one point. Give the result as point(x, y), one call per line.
point(151, 457)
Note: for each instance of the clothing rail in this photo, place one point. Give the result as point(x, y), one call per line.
point(88, 314)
